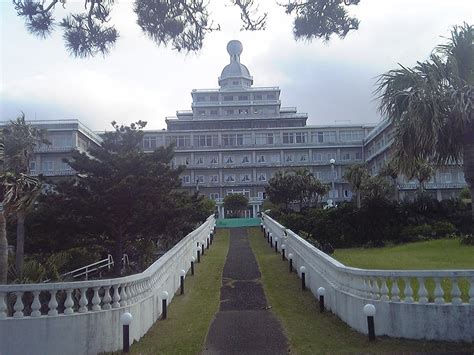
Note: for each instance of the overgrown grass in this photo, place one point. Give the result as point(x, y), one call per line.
point(190, 315)
point(310, 332)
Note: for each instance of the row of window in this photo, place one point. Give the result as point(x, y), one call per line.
point(241, 139)
point(239, 97)
point(228, 178)
point(236, 111)
point(266, 158)
point(48, 165)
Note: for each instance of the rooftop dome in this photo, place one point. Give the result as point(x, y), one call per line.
point(235, 69)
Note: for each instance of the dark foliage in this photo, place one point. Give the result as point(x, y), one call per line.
point(183, 24)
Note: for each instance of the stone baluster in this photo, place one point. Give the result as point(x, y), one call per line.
point(123, 296)
point(384, 290)
point(106, 299)
point(116, 297)
point(375, 289)
point(369, 289)
point(408, 291)
point(395, 290)
point(438, 291)
point(422, 291)
point(69, 303)
point(36, 305)
point(96, 300)
point(18, 306)
point(455, 293)
point(471, 292)
point(365, 288)
point(53, 304)
point(83, 301)
point(3, 306)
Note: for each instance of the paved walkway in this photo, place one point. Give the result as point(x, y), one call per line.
point(242, 325)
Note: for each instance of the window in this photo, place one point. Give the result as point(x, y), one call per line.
point(460, 176)
point(275, 158)
point(213, 112)
point(333, 194)
point(245, 159)
point(244, 177)
point(317, 157)
point(358, 156)
point(229, 160)
point(200, 179)
point(214, 179)
point(236, 82)
point(261, 195)
point(32, 165)
point(214, 195)
point(186, 179)
point(261, 159)
point(214, 160)
point(214, 98)
point(229, 112)
point(200, 98)
point(347, 194)
point(229, 178)
point(205, 140)
point(257, 97)
point(271, 97)
point(199, 161)
point(289, 158)
point(331, 155)
point(445, 177)
point(66, 166)
point(346, 156)
point(351, 136)
point(243, 97)
point(243, 111)
point(262, 177)
point(228, 98)
point(329, 137)
point(236, 139)
point(179, 141)
point(149, 142)
point(264, 138)
point(300, 137)
point(201, 112)
point(48, 166)
point(288, 138)
point(303, 158)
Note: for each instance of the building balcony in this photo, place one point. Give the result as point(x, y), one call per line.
point(53, 149)
point(432, 186)
point(53, 173)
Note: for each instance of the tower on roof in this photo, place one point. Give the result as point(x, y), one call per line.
point(235, 74)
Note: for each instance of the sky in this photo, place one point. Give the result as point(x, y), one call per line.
point(332, 82)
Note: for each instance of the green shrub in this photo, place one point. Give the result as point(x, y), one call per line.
point(416, 233)
point(465, 193)
point(467, 239)
point(443, 229)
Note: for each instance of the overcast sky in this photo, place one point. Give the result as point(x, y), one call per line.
point(332, 82)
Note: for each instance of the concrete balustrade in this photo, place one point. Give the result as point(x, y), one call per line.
point(84, 317)
point(410, 303)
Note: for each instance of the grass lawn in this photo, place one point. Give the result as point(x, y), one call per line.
point(190, 315)
point(310, 332)
point(433, 254)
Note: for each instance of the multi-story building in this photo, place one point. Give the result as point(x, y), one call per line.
point(64, 136)
point(444, 184)
point(237, 136)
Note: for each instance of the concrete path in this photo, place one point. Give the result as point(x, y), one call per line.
point(242, 325)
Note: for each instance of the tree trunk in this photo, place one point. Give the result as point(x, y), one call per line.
point(3, 247)
point(358, 199)
point(20, 242)
point(468, 161)
point(118, 254)
point(395, 186)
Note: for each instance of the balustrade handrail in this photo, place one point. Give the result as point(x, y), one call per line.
point(152, 269)
point(368, 272)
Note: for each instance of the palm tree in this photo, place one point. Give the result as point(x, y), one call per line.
point(19, 189)
point(391, 170)
point(431, 106)
point(356, 175)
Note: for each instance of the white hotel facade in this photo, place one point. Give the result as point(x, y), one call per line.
point(237, 136)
